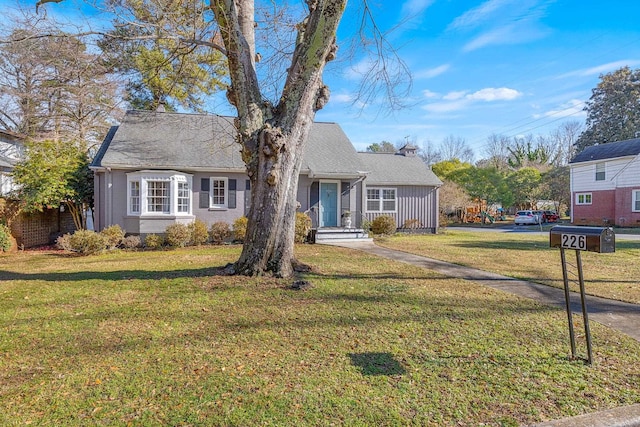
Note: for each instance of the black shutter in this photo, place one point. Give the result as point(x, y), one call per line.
point(204, 193)
point(232, 194)
point(315, 194)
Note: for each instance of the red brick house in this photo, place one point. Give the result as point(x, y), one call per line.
point(605, 185)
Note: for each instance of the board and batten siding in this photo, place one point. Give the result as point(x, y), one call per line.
point(413, 203)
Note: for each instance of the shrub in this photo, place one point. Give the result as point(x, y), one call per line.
point(5, 238)
point(383, 224)
point(154, 241)
point(303, 227)
point(83, 242)
point(412, 224)
point(177, 235)
point(219, 232)
point(113, 235)
point(199, 233)
point(240, 228)
point(131, 242)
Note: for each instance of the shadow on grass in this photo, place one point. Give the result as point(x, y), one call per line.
point(115, 275)
point(377, 364)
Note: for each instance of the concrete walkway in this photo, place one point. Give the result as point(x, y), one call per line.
point(621, 316)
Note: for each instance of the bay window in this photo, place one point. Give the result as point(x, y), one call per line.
point(158, 193)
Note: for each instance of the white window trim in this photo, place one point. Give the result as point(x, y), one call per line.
point(603, 171)
point(635, 197)
point(381, 200)
point(173, 177)
point(224, 205)
point(584, 203)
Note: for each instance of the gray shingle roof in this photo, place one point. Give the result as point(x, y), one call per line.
point(160, 140)
point(155, 140)
point(396, 169)
point(610, 150)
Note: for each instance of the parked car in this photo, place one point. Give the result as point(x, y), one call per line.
point(550, 216)
point(528, 217)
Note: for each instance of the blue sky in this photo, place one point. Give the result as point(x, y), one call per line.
point(510, 67)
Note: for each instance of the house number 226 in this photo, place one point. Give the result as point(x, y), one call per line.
point(574, 241)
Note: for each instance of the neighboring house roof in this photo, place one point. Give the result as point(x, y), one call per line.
point(609, 150)
point(161, 140)
point(397, 169)
point(11, 148)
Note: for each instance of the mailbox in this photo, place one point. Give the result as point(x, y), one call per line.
point(592, 239)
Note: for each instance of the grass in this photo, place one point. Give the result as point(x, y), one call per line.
point(161, 338)
point(528, 256)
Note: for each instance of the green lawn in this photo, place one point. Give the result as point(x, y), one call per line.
point(529, 257)
point(161, 338)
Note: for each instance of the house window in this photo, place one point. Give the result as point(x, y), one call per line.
point(600, 174)
point(158, 196)
point(134, 197)
point(158, 193)
point(381, 199)
point(583, 199)
point(635, 207)
point(184, 197)
point(219, 188)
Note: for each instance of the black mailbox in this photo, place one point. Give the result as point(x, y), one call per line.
point(592, 239)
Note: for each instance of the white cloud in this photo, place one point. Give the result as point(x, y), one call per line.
point(601, 69)
point(430, 94)
point(415, 7)
point(455, 95)
point(477, 15)
point(343, 98)
point(432, 72)
point(459, 100)
point(495, 94)
point(501, 22)
point(571, 108)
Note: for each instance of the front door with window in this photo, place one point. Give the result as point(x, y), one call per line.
point(328, 204)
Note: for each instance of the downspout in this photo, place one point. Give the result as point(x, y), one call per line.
point(109, 199)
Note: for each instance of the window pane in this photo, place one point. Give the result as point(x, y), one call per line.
point(134, 201)
point(158, 196)
point(183, 197)
point(389, 199)
point(218, 191)
point(587, 198)
point(600, 172)
point(373, 199)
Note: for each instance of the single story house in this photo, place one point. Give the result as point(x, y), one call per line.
point(605, 184)
point(158, 168)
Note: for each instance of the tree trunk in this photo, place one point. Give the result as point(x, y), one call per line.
point(273, 137)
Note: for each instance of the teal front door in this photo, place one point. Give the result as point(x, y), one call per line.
point(328, 204)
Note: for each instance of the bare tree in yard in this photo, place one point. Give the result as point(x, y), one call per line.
point(273, 136)
point(455, 147)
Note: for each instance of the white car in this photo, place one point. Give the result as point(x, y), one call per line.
point(527, 217)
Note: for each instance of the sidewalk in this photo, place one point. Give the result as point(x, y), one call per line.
point(621, 316)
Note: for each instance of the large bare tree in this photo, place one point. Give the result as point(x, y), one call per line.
point(273, 136)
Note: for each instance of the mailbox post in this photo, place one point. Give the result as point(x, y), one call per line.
point(593, 239)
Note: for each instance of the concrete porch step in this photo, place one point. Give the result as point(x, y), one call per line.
point(328, 235)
